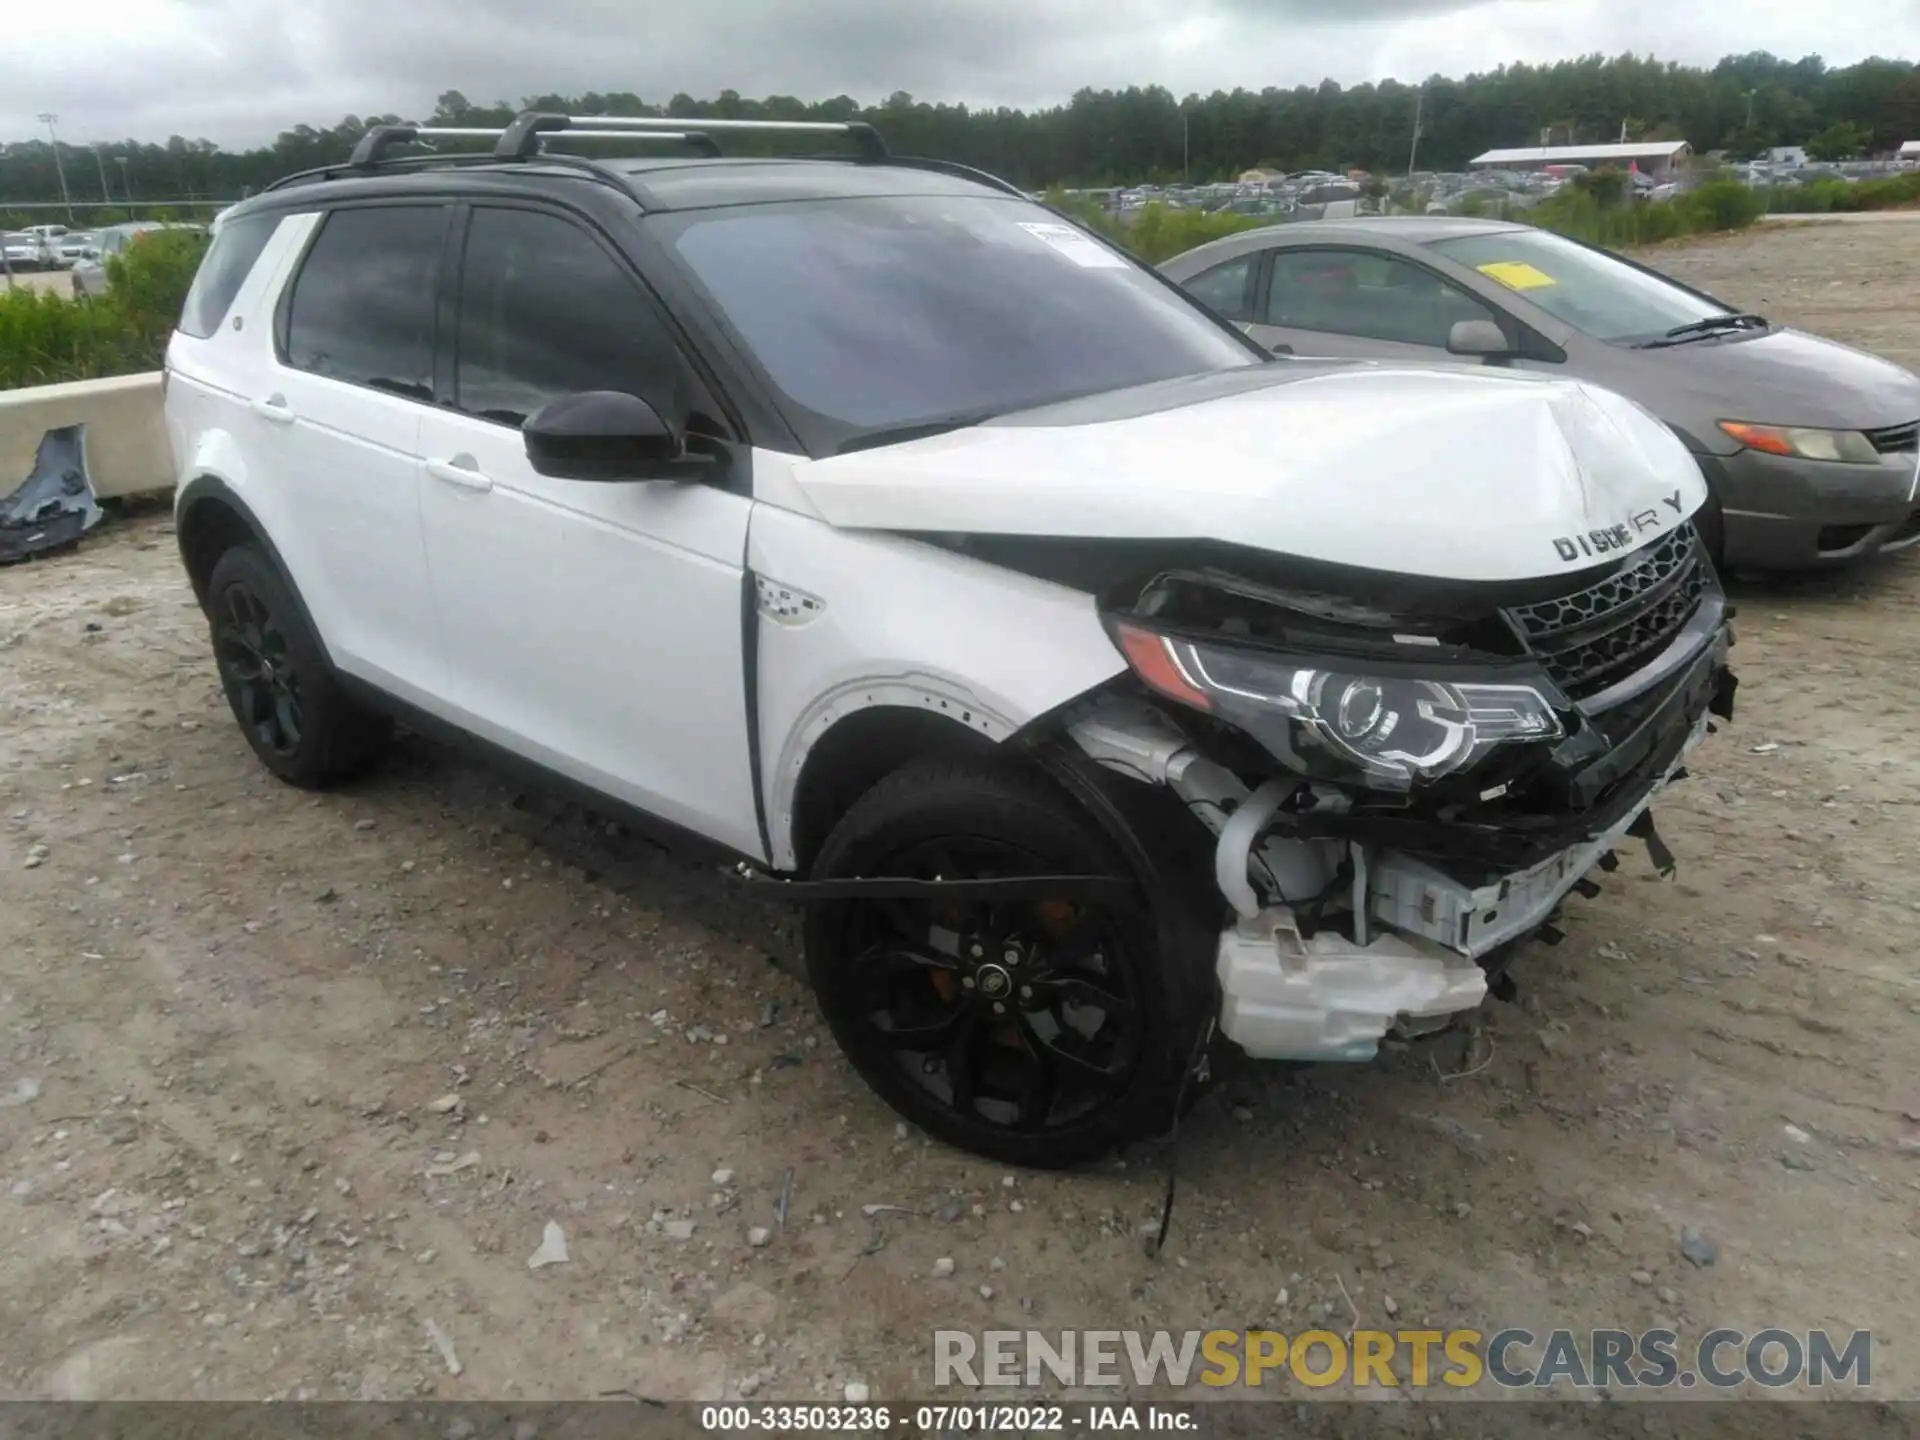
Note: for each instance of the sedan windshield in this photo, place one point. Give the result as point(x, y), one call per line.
point(880, 318)
point(1588, 289)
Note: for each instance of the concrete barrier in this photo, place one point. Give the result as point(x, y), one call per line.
point(127, 450)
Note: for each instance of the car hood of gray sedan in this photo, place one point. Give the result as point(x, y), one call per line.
point(1784, 377)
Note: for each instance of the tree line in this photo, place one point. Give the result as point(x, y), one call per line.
point(1743, 105)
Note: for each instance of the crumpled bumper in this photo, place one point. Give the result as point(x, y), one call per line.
point(1285, 996)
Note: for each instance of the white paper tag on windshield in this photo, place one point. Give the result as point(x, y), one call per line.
point(1080, 248)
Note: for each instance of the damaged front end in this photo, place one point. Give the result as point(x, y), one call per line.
point(1403, 778)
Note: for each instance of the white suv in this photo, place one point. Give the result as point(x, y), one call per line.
point(1103, 684)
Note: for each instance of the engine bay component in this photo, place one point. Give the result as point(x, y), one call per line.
point(1288, 996)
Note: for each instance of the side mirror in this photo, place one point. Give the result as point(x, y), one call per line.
point(1479, 339)
point(601, 435)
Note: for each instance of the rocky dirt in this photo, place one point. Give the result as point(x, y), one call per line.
point(296, 1091)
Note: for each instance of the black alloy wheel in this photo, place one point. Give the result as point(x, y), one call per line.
point(260, 676)
point(1016, 1015)
point(1042, 1033)
point(290, 706)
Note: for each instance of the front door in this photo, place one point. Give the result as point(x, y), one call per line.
point(1355, 303)
point(593, 627)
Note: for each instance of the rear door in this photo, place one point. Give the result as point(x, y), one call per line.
point(597, 628)
point(339, 411)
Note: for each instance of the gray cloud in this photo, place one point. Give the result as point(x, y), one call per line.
point(237, 71)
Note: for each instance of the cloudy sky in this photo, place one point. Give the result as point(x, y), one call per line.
point(238, 71)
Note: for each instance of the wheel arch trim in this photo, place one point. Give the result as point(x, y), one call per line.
point(195, 506)
point(915, 693)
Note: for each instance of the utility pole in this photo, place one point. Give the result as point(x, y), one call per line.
point(47, 118)
point(1186, 148)
point(126, 185)
point(1419, 106)
point(101, 165)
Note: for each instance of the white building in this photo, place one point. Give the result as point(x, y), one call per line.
point(1658, 158)
point(1910, 150)
point(1792, 156)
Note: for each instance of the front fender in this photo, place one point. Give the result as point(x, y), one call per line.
point(850, 620)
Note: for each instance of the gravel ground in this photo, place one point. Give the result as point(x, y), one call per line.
point(291, 1088)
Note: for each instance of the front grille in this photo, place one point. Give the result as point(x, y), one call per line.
point(1896, 438)
point(1594, 637)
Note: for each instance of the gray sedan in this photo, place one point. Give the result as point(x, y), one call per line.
point(1811, 449)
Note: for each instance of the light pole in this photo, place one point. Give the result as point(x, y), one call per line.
point(126, 185)
point(47, 118)
point(1419, 106)
point(1750, 95)
point(101, 164)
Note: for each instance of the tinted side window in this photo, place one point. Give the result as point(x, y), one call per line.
point(223, 270)
point(363, 304)
point(1366, 294)
point(546, 312)
point(1226, 289)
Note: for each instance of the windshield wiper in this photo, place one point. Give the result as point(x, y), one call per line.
point(1712, 325)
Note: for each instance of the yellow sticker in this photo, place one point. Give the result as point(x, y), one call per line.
point(1517, 275)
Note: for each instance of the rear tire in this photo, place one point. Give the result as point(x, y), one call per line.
point(289, 705)
point(1085, 1050)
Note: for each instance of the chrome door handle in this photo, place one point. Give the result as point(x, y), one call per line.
point(274, 408)
point(465, 477)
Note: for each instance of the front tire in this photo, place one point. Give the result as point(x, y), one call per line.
point(301, 724)
point(1035, 1033)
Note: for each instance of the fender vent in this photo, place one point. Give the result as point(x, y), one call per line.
point(1593, 637)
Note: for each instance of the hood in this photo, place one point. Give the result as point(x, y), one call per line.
point(1452, 472)
point(1784, 377)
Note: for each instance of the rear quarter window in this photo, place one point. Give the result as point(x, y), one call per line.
point(223, 270)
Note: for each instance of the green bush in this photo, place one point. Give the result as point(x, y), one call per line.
point(1887, 193)
point(1723, 205)
point(1833, 196)
point(149, 284)
point(1159, 233)
point(46, 338)
point(1090, 213)
point(1714, 206)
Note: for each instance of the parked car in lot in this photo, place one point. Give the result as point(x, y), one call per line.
point(23, 251)
point(1093, 677)
point(75, 246)
point(90, 275)
point(1808, 446)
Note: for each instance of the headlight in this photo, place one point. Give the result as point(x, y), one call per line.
point(1846, 446)
point(1394, 730)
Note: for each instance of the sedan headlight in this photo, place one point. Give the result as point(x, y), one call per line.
point(1845, 446)
point(1332, 719)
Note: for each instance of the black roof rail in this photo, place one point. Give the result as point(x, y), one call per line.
point(958, 171)
point(867, 141)
point(525, 139)
point(404, 162)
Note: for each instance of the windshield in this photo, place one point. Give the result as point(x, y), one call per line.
point(1589, 289)
point(886, 316)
